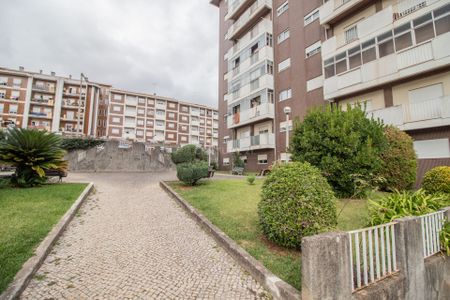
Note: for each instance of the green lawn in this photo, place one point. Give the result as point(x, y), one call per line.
point(26, 217)
point(232, 206)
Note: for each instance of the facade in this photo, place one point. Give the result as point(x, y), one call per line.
point(83, 108)
point(279, 54)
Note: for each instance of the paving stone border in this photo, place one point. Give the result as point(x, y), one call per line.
point(276, 286)
point(33, 264)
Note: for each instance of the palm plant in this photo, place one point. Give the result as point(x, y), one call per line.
point(31, 152)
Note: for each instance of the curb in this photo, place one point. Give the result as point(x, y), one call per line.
point(277, 287)
point(33, 264)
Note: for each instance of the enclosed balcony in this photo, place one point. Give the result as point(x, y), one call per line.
point(236, 8)
point(262, 141)
point(254, 58)
point(247, 20)
point(264, 82)
point(254, 114)
point(334, 10)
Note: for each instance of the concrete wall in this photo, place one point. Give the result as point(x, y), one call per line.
point(110, 158)
point(326, 268)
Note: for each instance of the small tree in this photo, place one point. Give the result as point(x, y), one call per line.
point(31, 152)
point(399, 161)
point(437, 180)
point(191, 164)
point(344, 145)
point(237, 161)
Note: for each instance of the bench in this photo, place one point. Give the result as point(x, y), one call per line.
point(56, 173)
point(237, 171)
point(211, 172)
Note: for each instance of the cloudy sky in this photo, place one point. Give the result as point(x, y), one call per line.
point(167, 46)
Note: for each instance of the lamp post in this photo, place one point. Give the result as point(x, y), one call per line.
point(287, 112)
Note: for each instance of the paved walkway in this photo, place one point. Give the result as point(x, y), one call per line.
point(131, 241)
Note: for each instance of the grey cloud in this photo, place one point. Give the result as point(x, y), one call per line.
point(167, 46)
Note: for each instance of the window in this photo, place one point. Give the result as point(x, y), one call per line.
point(17, 82)
point(226, 161)
point(160, 113)
point(283, 36)
point(442, 19)
point(403, 37)
point(3, 80)
point(150, 123)
point(13, 108)
point(341, 63)
point(141, 111)
point(286, 94)
point(351, 34)
point(171, 125)
point(141, 101)
point(172, 115)
point(171, 136)
point(184, 138)
point(172, 105)
point(423, 28)
point(385, 44)
point(151, 102)
point(140, 132)
point(282, 8)
point(311, 17)
point(140, 122)
point(116, 120)
point(117, 97)
point(313, 49)
point(368, 51)
point(160, 123)
point(262, 159)
point(284, 65)
point(117, 108)
point(354, 57)
point(2, 94)
point(1, 107)
point(439, 148)
point(244, 159)
point(115, 131)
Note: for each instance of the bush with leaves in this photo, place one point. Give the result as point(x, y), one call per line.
point(403, 204)
point(399, 161)
point(237, 161)
point(344, 145)
point(297, 201)
point(73, 144)
point(31, 152)
point(189, 153)
point(437, 180)
point(251, 179)
point(190, 173)
point(445, 238)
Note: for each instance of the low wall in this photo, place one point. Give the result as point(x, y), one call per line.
point(110, 158)
point(327, 268)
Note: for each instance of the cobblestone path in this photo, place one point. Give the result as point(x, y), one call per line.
point(131, 241)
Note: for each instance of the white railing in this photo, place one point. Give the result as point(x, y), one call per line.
point(372, 254)
point(247, 16)
point(252, 114)
point(431, 227)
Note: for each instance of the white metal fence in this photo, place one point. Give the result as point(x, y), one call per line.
point(431, 227)
point(372, 254)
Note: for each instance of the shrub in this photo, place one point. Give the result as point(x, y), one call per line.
point(31, 152)
point(399, 161)
point(190, 173)
point(251, 179)
point(73, 144)
point(237, 161)
point(437, 180)
point(344, 145)
point(445, 238)
point(297, 201)
point(188, 154)
point(402, 204)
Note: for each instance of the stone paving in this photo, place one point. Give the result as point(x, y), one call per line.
point(131, 241)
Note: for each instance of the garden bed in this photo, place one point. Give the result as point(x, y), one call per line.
point(232, 205)
point(26, 217)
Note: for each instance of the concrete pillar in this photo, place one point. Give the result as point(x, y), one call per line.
point(410, 261)
point(326, 270)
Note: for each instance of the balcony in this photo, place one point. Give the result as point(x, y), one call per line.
point(44, 102)
point(255, 114)
point(237, 7)
point(132, 101)
point(265, 53)
point(427, 114)
point(246, 21)
point(263, 82)
point(264, 26)
point(334, 10)
point(262, 141)
point(44, 88)
point(41, 115)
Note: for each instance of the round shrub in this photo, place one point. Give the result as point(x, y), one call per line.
point(191, 173)
point(297, 201)
point(437, 180)
point(399, 161)
point(187, 154)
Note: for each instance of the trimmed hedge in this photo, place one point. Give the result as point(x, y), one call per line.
point(73, 144)
point(399, 161)
point(191, 173)
point(297, 201)
point(188, 154)
point(437, 180)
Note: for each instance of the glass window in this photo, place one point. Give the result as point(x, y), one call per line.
point(354, 57)
point(329, 68)
point(442, 19)
point(385, 44)
point(341, 63)
point(351, 34)
point(423, 28)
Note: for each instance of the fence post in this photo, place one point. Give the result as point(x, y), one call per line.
point(410, 260)
point(326, 270)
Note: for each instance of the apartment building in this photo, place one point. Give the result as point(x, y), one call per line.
point(394, 57)
point(78, 107)
point(269, 74)
point(279, 58)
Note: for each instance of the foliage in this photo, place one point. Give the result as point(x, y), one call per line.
point(437, 180)
point(191, 172)
point(251, 179)
point(402, 204)
point(344, 145)
point(237, 161)
point(399, 161)
point(2, 135)
point(214, 166)
point(31, 152)
point(445, 238)
point(188, 154)
point(73, 144)
point(297, 201)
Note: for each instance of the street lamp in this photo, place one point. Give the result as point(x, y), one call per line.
point(287, 112)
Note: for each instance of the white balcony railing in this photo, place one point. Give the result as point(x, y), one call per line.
point(262, 141)
point(253, 114)
point(421, 114)
point(265, 26)
point(247, 17)
point(431, 226)
point(265, 53)
point(264, 82)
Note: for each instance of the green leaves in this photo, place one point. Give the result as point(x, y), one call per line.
point(188, 154)
point(190, 173)
point(31, 152)
point(72, 144)
point(437, 180)
point(445, 238)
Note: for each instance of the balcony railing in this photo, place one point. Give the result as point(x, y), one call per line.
point(235, 7)
point(44, 88)
point(251, 15)
point(262, 141)
point(253, 114)
point(415, 115)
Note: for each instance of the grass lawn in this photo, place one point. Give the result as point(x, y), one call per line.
point(26, 217)
point(232, 206)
